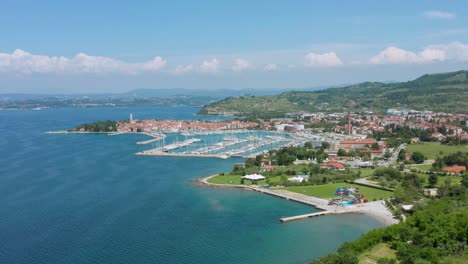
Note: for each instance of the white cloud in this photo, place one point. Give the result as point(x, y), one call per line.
point(95, 64)
point(210, 66)
point(241, 65)
point(271, 67)
point(439, 14)
point(329, 59)
point(182, 69)
point(155, 64)
point(23, 62)
point(453, 51)
point(393, 55)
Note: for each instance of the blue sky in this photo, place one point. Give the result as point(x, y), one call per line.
point(115, 46)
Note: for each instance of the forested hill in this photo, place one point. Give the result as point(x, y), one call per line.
point(437, 92)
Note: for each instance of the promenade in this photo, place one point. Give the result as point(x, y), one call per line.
point(375, 209)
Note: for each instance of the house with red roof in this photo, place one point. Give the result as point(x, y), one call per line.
point(360, 143)
point(439, 136)
point(267, 168)
point(333, 165)
point(455, 169)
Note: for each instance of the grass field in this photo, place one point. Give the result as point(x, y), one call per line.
point(432, 149)
point(328, 190)
point(379, 251)
point(236, 179)
point(424, 167)
point(225, 179)
point(365, 172)
point(455, 180)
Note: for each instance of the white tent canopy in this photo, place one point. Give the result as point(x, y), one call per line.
point(296, 179)
point(254, 177)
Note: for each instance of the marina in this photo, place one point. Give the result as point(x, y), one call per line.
point(223, 143)
point(166, 148)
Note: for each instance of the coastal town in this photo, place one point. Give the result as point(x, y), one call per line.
point(234, 132)
point(360, 159)
point(441, 125)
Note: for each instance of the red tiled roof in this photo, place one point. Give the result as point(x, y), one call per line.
point(358, 141)
point(455, 169)
point(333, 164)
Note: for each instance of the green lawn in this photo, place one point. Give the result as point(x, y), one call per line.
point(236, 179)
point(441, 179)
point(432, 149)
point(225, 179)
point(424, 167)
point(364, 172)
point(328, 190)
point(379, 251)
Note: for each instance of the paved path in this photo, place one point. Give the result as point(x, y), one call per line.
point(365, 181)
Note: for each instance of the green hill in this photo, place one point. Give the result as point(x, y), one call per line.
point(446, 92)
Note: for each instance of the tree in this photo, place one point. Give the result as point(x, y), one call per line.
point(325, 145)
point(433, 179)
point(418, 157)
point(249, 163)
point(387, 155)
point(375, 146)
point(402, 155)
point(308, 145)
point(342, 152)
point(464, 181)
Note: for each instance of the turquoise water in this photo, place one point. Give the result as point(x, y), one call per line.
point(89, 199)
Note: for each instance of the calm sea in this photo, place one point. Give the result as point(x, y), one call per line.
point(89, 199)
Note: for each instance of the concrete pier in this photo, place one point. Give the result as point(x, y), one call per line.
point(299, 217)
point(168, 154)
point(149, 141)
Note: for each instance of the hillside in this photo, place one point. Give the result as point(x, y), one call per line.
point(437, 92)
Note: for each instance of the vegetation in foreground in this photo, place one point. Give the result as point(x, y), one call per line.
point(437, 232)
point(379, 253)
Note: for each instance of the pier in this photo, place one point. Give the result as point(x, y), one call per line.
point(148, 141)
point(156, 137)
point(167, 154)
point(169, 147)
point(304, 216)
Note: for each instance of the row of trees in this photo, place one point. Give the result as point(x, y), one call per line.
point(396, 135)
point(459, 158)
point(287, 155)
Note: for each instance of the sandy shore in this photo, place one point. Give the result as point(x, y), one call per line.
point(375, 209)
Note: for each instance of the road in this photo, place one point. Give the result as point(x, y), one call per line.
point(394, 156)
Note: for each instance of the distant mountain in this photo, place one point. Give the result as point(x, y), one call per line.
point(217, 93)
point(438, 92)
point(152, 93)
